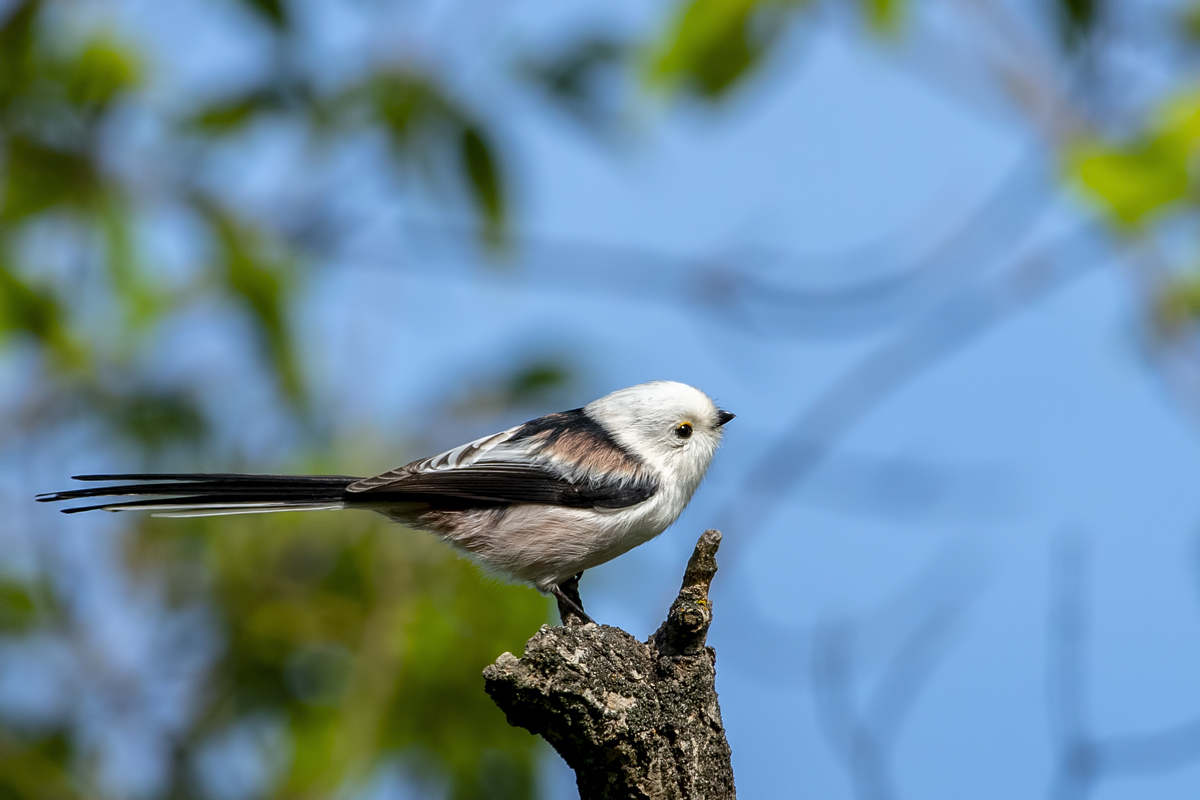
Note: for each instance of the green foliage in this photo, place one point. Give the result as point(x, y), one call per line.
point(714, 44)
point(534, 381)
point(57, 90)
point(411, 107)
point(707, 49)
point(36, 313)
point(710, 45)
point(36, 767)
point(884, 16)
point(40, 177)
point(274, 11)
point(1189, 21)
point(154, 419)
point(572, 78)
point(233, 114)
point(1076, 20)
point(17, 68)
point(18, 609)
point(1179, 303)
point(366, 639)
point(1138, 181)
point(487, 189)
point(1132, 182)
point(423, 122)
point(252, 274)
point(103, 70)
point(364, 642)
point(133, 288)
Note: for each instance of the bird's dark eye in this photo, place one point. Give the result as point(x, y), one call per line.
point(684, 431)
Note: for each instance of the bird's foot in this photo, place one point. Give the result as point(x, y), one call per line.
point(570, 607)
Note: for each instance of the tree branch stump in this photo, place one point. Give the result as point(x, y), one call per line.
point(633, 719)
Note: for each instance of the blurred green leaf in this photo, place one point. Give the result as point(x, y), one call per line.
point(18, 611)
point(259, 279)
point(536, 380)
point(487, 189)
point(36, 767)
point(421, 121)
point(1076, 20)
point(539, 382)
point(1133, 182)
point(320, 673)
point(38, 177)
point(709, 46)
point(103, 69)
point(24, 308)
point(573, 77)
point(1137, 181)
point(568, 73)
point(885, 16)
point(231, 115)
point(35, 312)
point(132, 286)
point(1179, 303)
point(16, 50)
point(1189, 21)
point(410, 106)
point(275, 11)
point(155, 419)
point(713, 44)
point(453, 635)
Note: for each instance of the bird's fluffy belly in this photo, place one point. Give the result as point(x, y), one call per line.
point(540, 544)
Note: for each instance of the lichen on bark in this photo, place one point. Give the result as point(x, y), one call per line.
point(633, 719)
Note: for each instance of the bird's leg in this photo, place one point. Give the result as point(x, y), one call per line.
point(570, 607)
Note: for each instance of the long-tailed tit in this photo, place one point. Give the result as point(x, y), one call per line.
point(541, 502)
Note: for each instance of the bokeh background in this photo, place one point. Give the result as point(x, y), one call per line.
point(939, 256)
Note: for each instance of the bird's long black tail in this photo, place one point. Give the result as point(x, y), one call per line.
point(208, 494)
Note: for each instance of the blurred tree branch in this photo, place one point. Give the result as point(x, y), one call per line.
point(1085, 759)
point(917, 348)
point(863, 733)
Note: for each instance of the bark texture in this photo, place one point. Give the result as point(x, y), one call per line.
point(633, 719)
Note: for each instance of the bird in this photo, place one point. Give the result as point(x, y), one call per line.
point(539, 503)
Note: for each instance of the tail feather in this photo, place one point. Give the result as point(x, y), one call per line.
point(204, 494)
point(209, 477)
point(224, 511)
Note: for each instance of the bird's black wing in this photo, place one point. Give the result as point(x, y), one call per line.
point(505, 483)
point(562, 459)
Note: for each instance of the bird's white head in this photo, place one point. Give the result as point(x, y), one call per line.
point(672, 426)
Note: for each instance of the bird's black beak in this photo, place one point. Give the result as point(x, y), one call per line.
point(723, 417)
